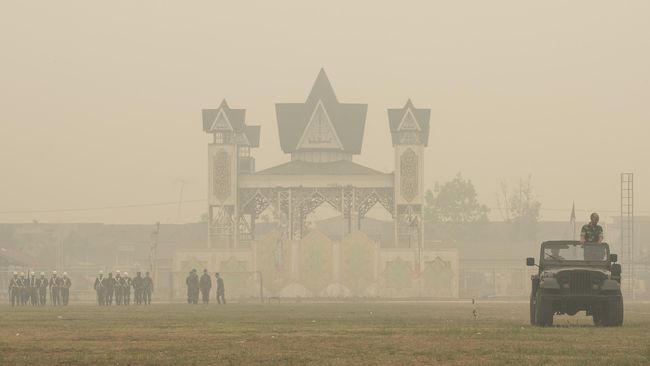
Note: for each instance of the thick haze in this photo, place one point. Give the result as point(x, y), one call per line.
point(101, 101)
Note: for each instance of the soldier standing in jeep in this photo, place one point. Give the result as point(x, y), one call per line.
point(592, 232)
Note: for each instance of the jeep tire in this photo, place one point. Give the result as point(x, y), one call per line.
point(543, 311)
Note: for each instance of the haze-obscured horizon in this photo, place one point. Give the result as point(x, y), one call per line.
point(101, 102)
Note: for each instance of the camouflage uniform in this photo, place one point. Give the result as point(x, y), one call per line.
point(65, 288)
point(42, 284)
point(592, 232)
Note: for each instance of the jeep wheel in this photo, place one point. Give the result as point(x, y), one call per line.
point(598, 314)
point(614, 311)
point(543, 311)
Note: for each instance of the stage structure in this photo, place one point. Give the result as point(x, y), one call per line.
point(322, 135)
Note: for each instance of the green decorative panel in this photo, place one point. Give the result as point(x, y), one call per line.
point(274, 260)
point(358, 254)
point(437, 276)
point(398, 274)
point(235, 273)
point(315, 261)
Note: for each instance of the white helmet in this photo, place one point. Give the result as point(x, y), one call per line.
point(22, 274)
point(33, 273)
point(42, 273)
point(117, 272)
point(15, 273)
point(53, 272)
point(65, 273)
point(126, 273)
point(101, 271)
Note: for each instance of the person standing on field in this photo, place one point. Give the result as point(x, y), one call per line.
point(33, 289)
point(100, 289)
point(221, 291)
point(126, 289)
point(14, 290)
point(138, 288)
point(55, 296)
point(205, 284)
point(42, 283)
point(110, 289)
point(148, 288)
point(192, 282)
point(65, 289)
point(118, 288)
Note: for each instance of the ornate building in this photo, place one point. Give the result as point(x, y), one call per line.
point(322, 135)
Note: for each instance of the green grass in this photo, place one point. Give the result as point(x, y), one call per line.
point(376, 333)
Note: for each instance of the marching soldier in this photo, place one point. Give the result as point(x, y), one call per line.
point(126, 289)
point(24, 291)
point(100, 289)
point(148, 288)
point(65, 285)
point(205, 284)
point(14, 290)
point(138, 288)
point(221, 291)
point(55, 297)
point(42, 284)
point(110, 288)
point(33, 289)
point(118, 288)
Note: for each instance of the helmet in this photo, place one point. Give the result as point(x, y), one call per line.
point(42, 273)
point(15, 273)
point(101, 272)
point(22, 274)
point(33, 273)
point(126, 273)
point(53, 272)
point(65, 273)
point(118, 271)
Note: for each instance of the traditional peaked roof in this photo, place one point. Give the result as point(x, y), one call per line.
point(299, 167)
point(347, 120)
point(232, 120)
point(401, 120)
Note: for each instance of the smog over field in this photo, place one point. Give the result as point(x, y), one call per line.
point(273, 173)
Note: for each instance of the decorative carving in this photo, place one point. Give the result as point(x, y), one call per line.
point(221, 179)
point(409, 187)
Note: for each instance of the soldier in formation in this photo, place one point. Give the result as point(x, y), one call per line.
point(126, 289)
point(33, 291)
point(205, 285)
point(100, 288)
point(192, 282)
point(110, 289)
point(138, 288)
point(42, 284)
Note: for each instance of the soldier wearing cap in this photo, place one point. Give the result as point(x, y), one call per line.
point(65, 288)
point(42, 284)
point(55, 294)
point(205, 283)
point(592, 232)
point(100, 289)
point(126, 289)
point(119, 294)
point(148, 288)
point(138, 288)
point(14, 290)
point(24, 291)
point(110, 289)
point(33, 289)
point(192, 282)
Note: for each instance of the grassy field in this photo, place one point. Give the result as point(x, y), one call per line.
point(398, 333)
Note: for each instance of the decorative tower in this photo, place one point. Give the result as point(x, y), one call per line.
point(228, 157)
point(409, 127)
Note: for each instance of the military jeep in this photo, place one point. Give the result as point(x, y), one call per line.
point(574, 277)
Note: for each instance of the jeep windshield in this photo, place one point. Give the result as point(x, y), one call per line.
point(563, 253)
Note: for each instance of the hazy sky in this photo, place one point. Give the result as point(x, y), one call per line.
point(101, 101)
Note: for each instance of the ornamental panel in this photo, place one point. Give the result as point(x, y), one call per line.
point(409, 175)
point(221, 175)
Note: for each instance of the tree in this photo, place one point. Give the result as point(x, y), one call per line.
point(454, 205)
point(520, 207)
